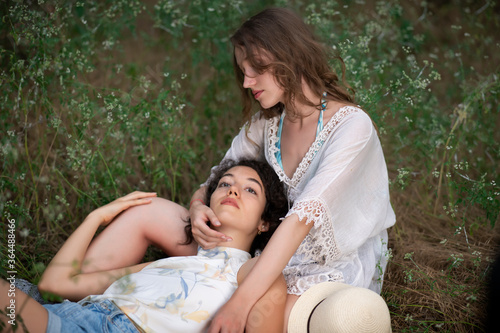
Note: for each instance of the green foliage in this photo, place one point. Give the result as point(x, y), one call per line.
point(104, 97)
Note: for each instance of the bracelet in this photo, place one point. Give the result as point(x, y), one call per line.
point(191, 203)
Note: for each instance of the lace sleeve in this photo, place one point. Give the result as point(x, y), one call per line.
point(313, 209)
point(314, 260)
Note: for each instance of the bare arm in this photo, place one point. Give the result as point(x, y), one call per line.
point(64, 276)
point(267, 315)
point(283, 244)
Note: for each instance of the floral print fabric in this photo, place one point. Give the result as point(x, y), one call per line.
point(178, 294)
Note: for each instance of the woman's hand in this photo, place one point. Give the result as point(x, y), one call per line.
point(206, 237)
point(229, 319)
point(107, 213)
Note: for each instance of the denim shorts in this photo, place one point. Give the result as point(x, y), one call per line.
point(99, 316)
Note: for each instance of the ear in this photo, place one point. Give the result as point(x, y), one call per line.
point(264, 226)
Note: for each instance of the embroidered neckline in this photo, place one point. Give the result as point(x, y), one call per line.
point(319, 128)
point(313, 149)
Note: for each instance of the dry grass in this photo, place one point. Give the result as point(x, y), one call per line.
point(425, 291)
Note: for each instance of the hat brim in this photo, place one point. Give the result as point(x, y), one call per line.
point(302, 309)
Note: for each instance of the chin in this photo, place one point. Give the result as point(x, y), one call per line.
point(267, 105)
point(225, 217)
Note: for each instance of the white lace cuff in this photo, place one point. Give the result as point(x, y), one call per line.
point(297, 285)
point(313, 209)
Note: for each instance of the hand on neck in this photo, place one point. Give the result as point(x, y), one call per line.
point(239, 241)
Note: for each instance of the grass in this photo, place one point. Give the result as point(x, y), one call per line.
point(104, 97)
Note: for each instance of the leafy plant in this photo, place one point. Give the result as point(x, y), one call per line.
point(104, 97)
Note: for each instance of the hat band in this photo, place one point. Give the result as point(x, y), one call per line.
point(310, 315)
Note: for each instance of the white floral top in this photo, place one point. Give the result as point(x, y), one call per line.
point(178, 294)
point(341, 185)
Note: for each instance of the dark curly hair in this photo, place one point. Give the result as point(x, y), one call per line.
point(276, 200)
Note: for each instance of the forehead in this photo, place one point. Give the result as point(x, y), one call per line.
point(243, 172)
point(240, 54)
point(259, 55)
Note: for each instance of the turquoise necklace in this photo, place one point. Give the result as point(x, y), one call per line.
point(319, 128)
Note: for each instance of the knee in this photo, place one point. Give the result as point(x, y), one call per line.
point(265, 313)
point(165, 224)
point(337, 307)
point(275, 297)
point(160, 210)
point(278, 291)
point(163, 210)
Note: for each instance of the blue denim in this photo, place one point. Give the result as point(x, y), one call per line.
point(99, 316)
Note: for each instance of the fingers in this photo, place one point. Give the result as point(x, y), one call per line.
point(135, 199)
point(137, 195)
point(108, 212)
point(224, 326)
point(136, 202)
point(214, 328)
point(205, 244)
point(212, 218)
point(206, 237)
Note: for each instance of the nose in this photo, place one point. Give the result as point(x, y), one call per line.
point(248, 81)
point(233, 191)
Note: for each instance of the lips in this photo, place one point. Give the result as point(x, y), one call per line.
point(257, 93)
point(230, 202)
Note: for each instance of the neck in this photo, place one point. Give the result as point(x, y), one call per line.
point(234, 246)
point(239, 241)
point(304, 111)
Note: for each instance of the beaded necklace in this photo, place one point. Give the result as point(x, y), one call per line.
point(319, 128)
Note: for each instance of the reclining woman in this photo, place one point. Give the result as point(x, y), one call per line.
point(179, 294)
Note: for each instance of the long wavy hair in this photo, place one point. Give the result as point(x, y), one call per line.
point(296, 55)
point(276, 201)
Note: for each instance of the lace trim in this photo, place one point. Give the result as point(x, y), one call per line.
point(313, 149)
point(313, 261)
point(320, 242)
point(314, 209)
point(297, 285)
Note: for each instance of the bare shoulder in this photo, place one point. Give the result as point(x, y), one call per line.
point(333, 107)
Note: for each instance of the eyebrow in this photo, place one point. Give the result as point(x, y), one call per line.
point(250, 179)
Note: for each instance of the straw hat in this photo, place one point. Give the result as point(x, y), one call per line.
point(338, 307)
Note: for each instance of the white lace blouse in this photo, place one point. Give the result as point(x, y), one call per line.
point(341, 185)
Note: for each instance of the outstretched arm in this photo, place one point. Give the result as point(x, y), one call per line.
point(64, 276)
